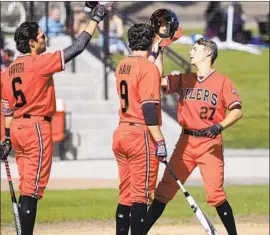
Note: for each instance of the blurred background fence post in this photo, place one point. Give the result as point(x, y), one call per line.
point(106, 55)
point(46, 21)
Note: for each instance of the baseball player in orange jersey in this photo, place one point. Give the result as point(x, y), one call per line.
point(28, 91)
point(138, 142)
point(205, 97)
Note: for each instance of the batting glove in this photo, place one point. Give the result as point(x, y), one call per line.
point(5, 149)
point(99, 13)
point(213, 131)
point(161, 151)
point(89, 6)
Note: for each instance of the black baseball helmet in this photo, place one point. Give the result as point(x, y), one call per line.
point(164, 17)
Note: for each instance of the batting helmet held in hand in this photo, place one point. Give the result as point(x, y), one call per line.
point(165, 23)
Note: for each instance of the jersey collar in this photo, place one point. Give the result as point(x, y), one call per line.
point(23, 55)
point(206, 76)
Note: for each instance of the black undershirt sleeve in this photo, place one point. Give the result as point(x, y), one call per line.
point(150, 113)
point(77, 47)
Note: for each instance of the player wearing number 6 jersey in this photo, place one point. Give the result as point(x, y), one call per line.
point(28, 93)
point(205, 97)
point(137, 142)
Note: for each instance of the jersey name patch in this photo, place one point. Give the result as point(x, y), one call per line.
point(200, 94)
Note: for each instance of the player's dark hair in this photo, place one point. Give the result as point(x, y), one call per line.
point(140, 37)
point(23, 34)
point(211, 45)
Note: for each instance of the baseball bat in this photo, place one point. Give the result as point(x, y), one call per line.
point(15, 209)
point(201, 216)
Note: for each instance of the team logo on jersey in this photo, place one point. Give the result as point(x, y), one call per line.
point(200, 94)
point(234, 91)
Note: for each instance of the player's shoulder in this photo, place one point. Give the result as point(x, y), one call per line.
point(147, 67)
point(145, 63)
point(222, 78)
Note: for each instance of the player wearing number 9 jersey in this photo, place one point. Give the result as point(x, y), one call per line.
point(29, 95)
point(204, 98)
point(137, 142)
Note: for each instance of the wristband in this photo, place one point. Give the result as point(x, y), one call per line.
point(154, 54)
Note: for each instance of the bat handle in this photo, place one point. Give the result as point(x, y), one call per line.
point(176, 178)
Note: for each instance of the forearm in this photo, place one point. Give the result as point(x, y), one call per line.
point(159, 63)
point(8, 120)
point(232, 117)
point(81, 42)
point(156, 133)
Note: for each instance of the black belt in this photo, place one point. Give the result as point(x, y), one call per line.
point(195, 132)
point(133, 123)
point(46, 118)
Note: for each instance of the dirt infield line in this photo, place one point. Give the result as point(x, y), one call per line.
point(107, 228)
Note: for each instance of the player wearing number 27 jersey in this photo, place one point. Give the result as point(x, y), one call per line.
point(208, 104)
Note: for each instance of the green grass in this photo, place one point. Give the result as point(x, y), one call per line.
point(189, 32)
point(250, 74)
point(100, 204)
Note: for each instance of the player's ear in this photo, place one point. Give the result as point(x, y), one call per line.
point(32, 43)
point(208, 51)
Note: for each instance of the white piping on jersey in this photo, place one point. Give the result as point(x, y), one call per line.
point(62, 60)
point(234, 103)
point(35, 194)
point(150, 101)
point(206, 76)
point(147, 168)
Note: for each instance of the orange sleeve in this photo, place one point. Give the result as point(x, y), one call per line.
point(49, 63)
point(174, 83)
point(230, 94)
point(6, 108)
point(149, 85)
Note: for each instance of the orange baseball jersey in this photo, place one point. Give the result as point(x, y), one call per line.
point(138, 82)
point(29, 87)
point(202, 101)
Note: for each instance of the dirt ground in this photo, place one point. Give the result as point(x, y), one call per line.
point(246, 226)
point(107, 228)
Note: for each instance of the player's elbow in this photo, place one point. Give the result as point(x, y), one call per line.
point(239, 113)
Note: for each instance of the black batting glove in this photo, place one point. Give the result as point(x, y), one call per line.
point(213, 131)
point(5, 149)
point(89, 6)
point(6, 146)
point(99, 13)
point(161, 151)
